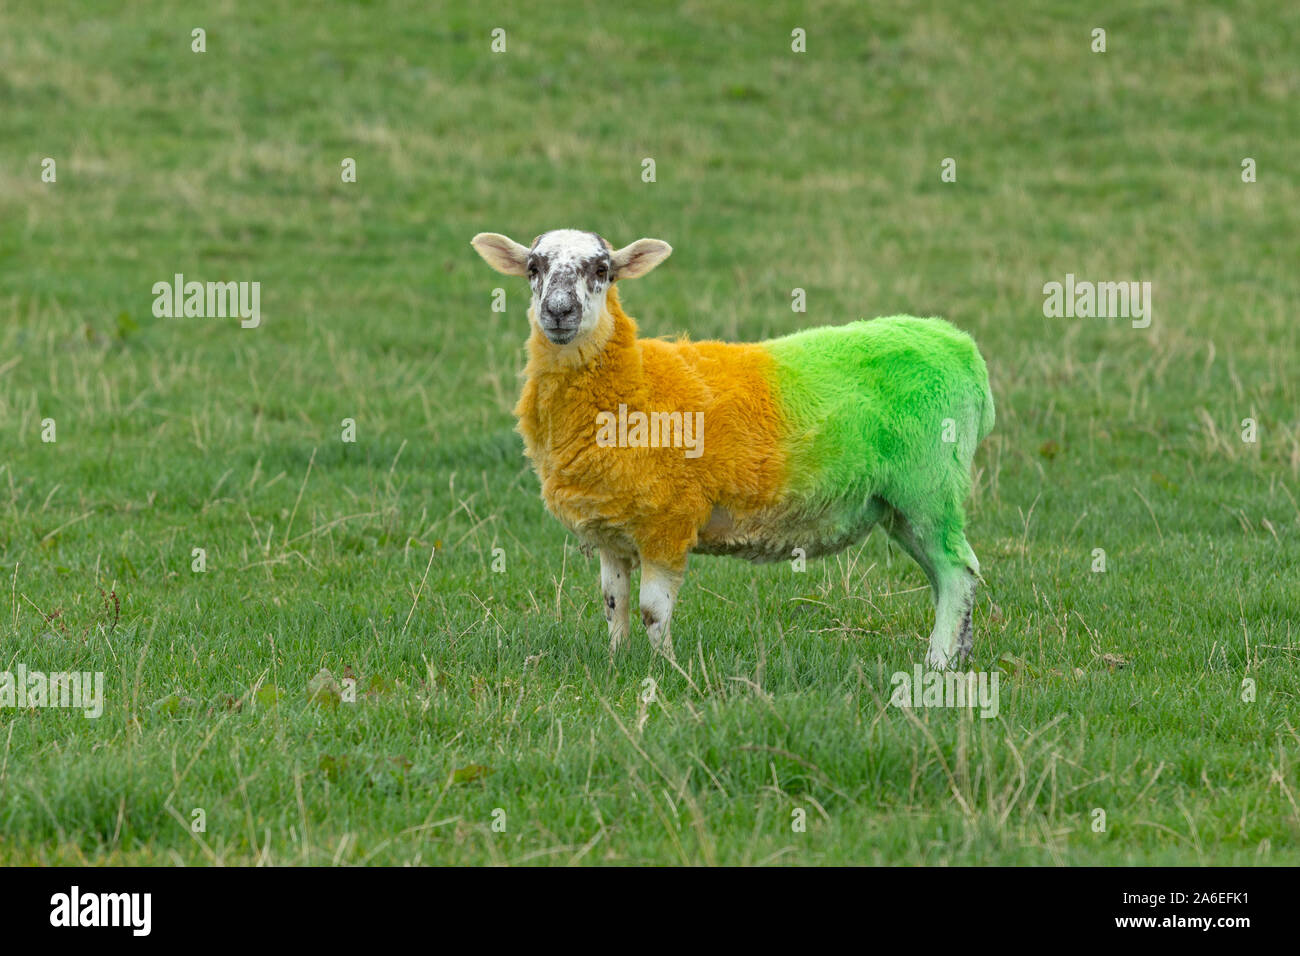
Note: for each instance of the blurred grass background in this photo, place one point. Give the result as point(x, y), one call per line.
point(774, 170)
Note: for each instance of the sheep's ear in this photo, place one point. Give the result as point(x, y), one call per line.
point(501, 253)
point(638, 258)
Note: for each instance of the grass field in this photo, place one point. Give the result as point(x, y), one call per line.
point(484, 691)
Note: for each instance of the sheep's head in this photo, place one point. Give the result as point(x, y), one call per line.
point(569, 272)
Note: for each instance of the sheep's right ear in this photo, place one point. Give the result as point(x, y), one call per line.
point(501, 253)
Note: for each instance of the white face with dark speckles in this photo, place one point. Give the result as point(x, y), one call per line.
point(569, 272)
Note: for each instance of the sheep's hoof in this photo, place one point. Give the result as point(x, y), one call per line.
point(937, 660)
point(617, 641)
point(663, 645)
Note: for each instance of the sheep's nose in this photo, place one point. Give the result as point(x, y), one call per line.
point(562, 312)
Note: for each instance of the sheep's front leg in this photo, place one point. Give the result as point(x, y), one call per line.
point(659, 586)
point(616, 593)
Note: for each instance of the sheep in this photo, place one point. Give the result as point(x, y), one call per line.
point(805, 442)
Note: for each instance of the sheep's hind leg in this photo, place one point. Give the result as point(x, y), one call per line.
point(952, 569)
point(951, 640)
point(659, 586)
point(616, 594)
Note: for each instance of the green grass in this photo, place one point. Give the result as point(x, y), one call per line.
point(775, 170)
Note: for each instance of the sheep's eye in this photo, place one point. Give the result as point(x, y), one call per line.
point(601, 273)
point(532, 270)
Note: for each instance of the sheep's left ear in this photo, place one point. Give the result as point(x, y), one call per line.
point(501, 253)
point(638, 258)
